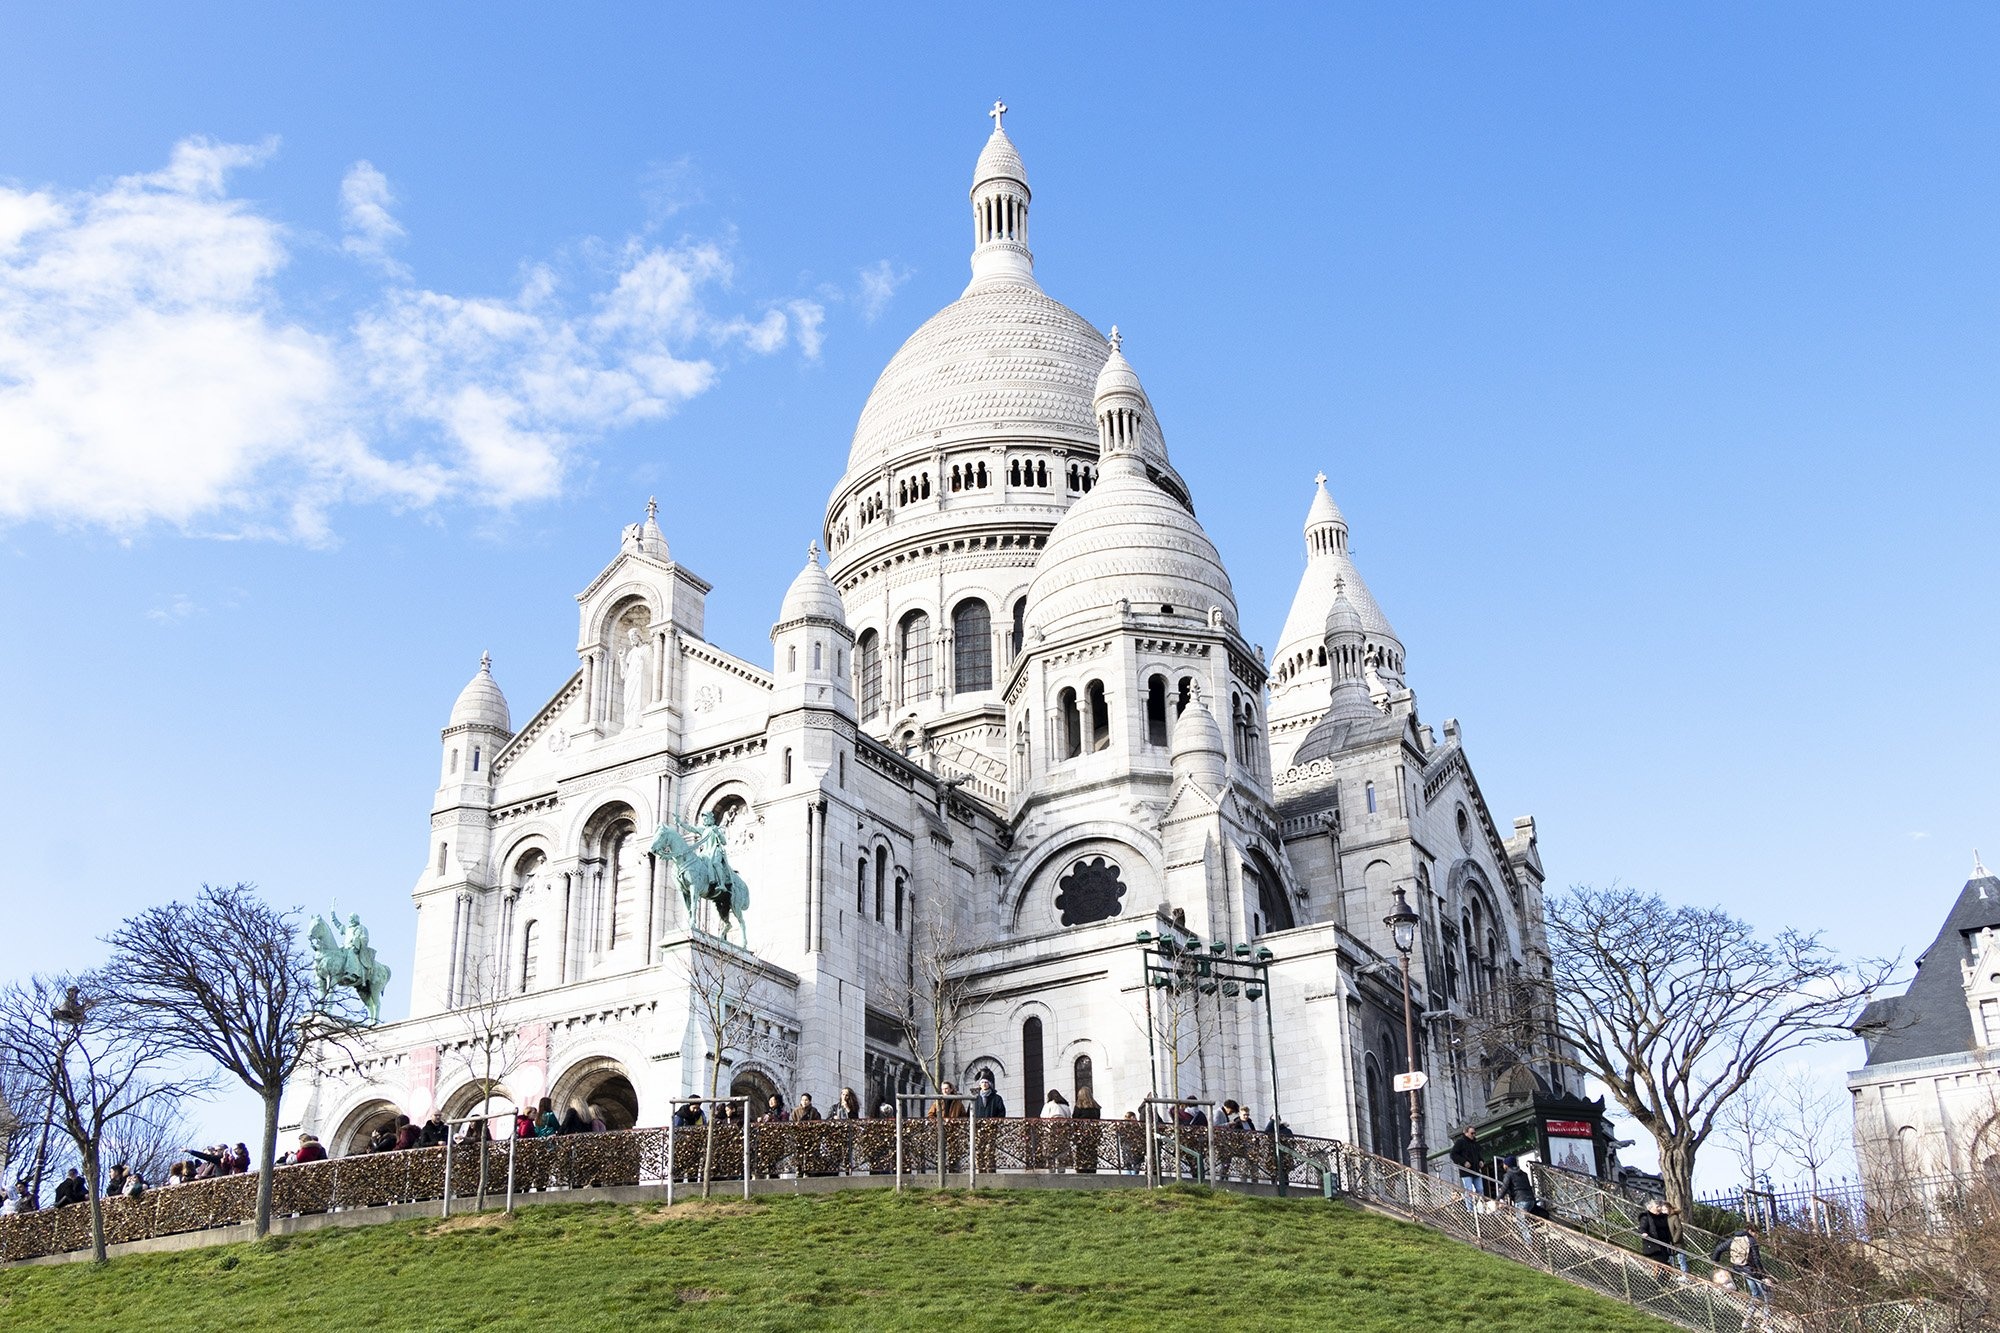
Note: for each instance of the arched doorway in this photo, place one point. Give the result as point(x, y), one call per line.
point(602, 1083)
point(354, 1132)
point(497, 1107)
point(758, 1087)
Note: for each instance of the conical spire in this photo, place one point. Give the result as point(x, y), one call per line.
point(1197, 747)
point(1000, 198)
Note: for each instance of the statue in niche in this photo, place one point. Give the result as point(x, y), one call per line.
point(633, 664)
point(1089, 892)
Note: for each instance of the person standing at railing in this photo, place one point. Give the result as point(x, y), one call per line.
point(1517, 1189)
point(1660, 1240)
point(1055, 1140)
point(1088, 1135)
point(987, 1105)
point(310, 1150)
point(1468, 1154)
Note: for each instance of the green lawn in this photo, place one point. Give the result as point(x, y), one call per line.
point(864, 1259)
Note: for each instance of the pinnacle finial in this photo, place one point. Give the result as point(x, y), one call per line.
point(652, 510)
point(1979, 870)
point(999, 110)
point(1319, 480)
point(486, 666)
point(1117, 338)
point(812, 552)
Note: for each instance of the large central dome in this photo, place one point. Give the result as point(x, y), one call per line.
point(1004, 360)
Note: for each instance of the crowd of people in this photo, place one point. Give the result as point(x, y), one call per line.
point(127, 1182)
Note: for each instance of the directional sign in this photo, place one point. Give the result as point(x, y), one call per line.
point(1412, 1082)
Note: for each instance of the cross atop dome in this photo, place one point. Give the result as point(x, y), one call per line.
point(486, 666)
point(1319, 480)
point(1117, 338)
point(652, 509)
point(812, 551)
point(999, 110)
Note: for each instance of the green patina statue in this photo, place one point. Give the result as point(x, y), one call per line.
point(700, 856)
point(343, 957)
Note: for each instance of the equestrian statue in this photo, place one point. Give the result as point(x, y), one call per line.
point(342, 956)
point(700, 856)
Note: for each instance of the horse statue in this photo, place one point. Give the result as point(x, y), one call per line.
point(342, 956)
point(700, 856)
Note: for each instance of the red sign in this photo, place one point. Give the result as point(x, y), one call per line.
point(1570, 1129)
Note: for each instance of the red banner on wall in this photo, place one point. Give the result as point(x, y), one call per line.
point(1571, 1129)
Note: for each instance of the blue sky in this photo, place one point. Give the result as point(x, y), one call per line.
point(1650, 351)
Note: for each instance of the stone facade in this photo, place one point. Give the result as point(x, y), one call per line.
point(1014, 710)
point(1927, 1101)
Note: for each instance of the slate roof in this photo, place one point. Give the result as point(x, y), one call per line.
point(1930, 1018)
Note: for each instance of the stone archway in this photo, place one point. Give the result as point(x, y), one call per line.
point(601, 1082)
point(353, 1133)
point(758, 1087)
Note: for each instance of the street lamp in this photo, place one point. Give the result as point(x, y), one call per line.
point(1402, 924)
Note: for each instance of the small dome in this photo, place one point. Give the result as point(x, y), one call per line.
point(812, 594)
point(1127, 539)
point(1197, 745)
point(1342, 617)
point(1117, 378)
point(480, 703)
point(651, 540)
point(999, 160)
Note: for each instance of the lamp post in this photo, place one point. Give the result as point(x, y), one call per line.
point(1402, 924)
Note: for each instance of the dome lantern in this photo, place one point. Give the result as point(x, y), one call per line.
point(1000, 198)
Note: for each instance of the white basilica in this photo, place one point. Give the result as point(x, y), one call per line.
point(1016, 708)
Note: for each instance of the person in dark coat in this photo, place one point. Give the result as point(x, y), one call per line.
point(1469, 1156)
point(71, 1189)
point(986, 1103)
point(573, 1122)
point(1518, 1189)
point(1659, 1240)
point(1739, 1253)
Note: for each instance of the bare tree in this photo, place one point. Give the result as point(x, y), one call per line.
point(1747, 1122)
point(720, 980)
point(1675, 1009)
point(149, 1141)
point(490, 1049)
point(228, 976)
point(1810, 1125)
point(77, 1052)
point(936, 1003)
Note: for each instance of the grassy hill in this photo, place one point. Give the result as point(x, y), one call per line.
point(864, 1259)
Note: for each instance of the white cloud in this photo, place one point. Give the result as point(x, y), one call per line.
point(175, 609)
point(1918, 835)
point(151, 372)
point(365, 200)
point(807, 318)
point(879, 282)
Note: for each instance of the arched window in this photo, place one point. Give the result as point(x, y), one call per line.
point(1033, 1087)
point(1041, 474)
point(982, 476)
point(1156, 711)
point(971, 647)
point(1019, 635)
point(622, 874)
point(881, 879)
point(868, 660)
point(788, 765)
point(899, 904)
point(1084, 1078)
point(1069, 737)
point(475, 758)
point(454, 760)
point(530, 956)
point(1185, 693)
point(1014, 472)
point(1100, 716)
point(792, 658)
point(819, 656)
point(1371, 798)
point(915, 651)
point(861, 889)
